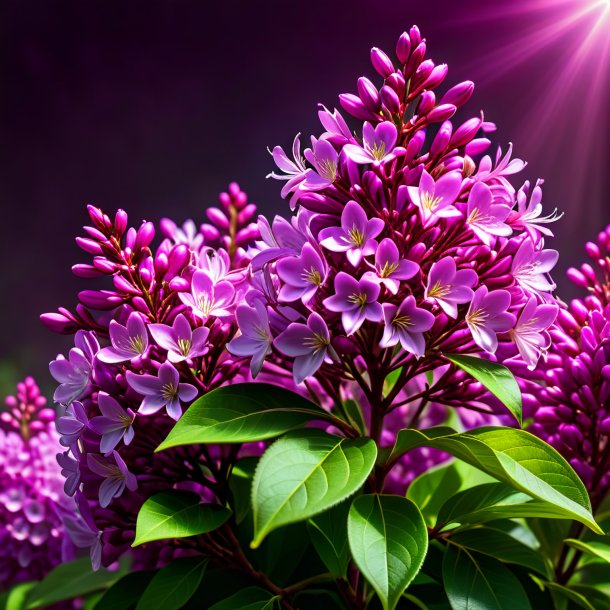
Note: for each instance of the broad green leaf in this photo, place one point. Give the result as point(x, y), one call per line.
point(519, 459)
point(172, 586)
point(177, 514)
point(328, 533)
point(354, 415)
point(480, 583)
point(242, 413)
point(70, 580)
point(598, 599)
point(410, 438)
point(595, 548)
point(16, 597)
point(388, 540)
point(125, 593)
point(496, 378)
point(496, 543)
point(251, 598)
point(431, 488)
point(567, 593)
point(240, 484)
point(303, 474)
point(390, 380)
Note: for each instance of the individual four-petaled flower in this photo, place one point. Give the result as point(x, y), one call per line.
point(448, 286)
point(488, 315)
point(302, 275)
point(208, 298)
point(390, 269)
point(406, 323)
point(435, 199)
point(114, 424)
point(485, 217)
point(116, 477)
point(378, 144)
point(180, 340)
point(128, 342)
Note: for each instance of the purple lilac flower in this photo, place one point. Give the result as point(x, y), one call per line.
point(449, 287)
point(355, 236)
point(164, 390)
point(355, 300)
point(487, 316)
point(530, 333)
point(484, 217)
point(528, 215)
point(208, 298)
point(71, 425)
point(31, 494)
point(378, 144)
point(390, 269)
point(531, 267)
point(302, 275)
point(70, 470)
point(73, 374)
point(406, 324)
point(293, 171)
point(114, 425)
point(129, 341)
point(180, 340)
point(308, 344)
point(116, 477)
point(336, 128)
point(325, 160)
point(436, 198)
point(255, 340)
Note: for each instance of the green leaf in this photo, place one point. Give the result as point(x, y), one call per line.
point(177, 514)
point(566, 592)
point(518, 459)
point(125, 593)
point(354, 416)
point(251, 598)
point(432, 488)
point(595, 548)
point(480, 583)
point(496, 543)
point(171, 587)
point(16, 598)
point(409, 438)
point(240, 484)
point(496, 378)
point(388, 540)
point(70, 580)
point(305, 473)
point(242, 413)
point(390, 380)
point(328, 533)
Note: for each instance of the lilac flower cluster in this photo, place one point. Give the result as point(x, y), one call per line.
point(569, 398)
point(31, 494)
point(143, 351)
point(407, 242)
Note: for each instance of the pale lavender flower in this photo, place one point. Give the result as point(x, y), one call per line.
point(71, 425)
point(355, 236)
point(74, 373)
point(406, 323)
point(449, 287)
point(436, 198)
point(335, 125)
point(308, 344)
point(390, 269)
point(165, 390)
point(82, 536)
point(180, 340)
point(208, 298)
point(530, 333)
point(488, 315)
point(355, 300)
point(485, 217)
point(128, 342)
point(302, 275)
point(504, 166)
point(325, 160)
point(116, 477)
point(255, 339)
point(282, 238)
point(215, 262)
point(528, 215)
point(378, 144)
point(70, 470)
point(531, 267)
point(293, 171)
point(188, 234)
point(114, 424)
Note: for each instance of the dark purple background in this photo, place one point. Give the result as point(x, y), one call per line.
point(155, 106)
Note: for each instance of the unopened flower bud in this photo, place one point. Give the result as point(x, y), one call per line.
point(144, 236)
point(403, 48)
point(459, 94)
point(381, 62)
point(368, 94)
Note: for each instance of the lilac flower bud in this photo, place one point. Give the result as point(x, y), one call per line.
point(209, 232)
point(120, 222)
point(179, 284)
point(147, 279)
point(466, 132)
point(246, 214)
point(416, 58)
point(415, 144)
point(161, 264)
point(144, 236)
point(104, 265)
point(353, 104)
point(442, 138)
point(421, 74)
point(95, 233)
point(437, 76)
point(178, 258)
point(441, 113)
point(459, 94)
point(390, 100)
point(59, 323)
point(368, 94)
point(415, 35)
point(247, 234)
point(403, 48)
point(88, 245)
point(130, 238)
point(426, 103)
point(477, 146)
point(381, 62)
point(100, 299)
point(86, 271)
point(218, 218)
point(396, 81)
point(140, 304)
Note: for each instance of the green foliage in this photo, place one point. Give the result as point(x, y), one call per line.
point(496, 378)
point(388, 540)
point(125, 593)
point(171, 587)
point(304, 474)
point(595, 548)
point(177, 514)
point(251, 598)
point(328, 532)
point(242, 413)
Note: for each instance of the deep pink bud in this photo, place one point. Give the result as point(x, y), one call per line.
point(441, 113)
point(100, 299)
point(209, 232)
point(59, 323)
point(147, 278)
point(477, 146)
point(436, 77)
point(421, 74)
point(247, 234)
point(178, 258)
point(389, 98)
point(442, 138)
point(403, 48)
point(353, 104)
point(415, 35)
point(86, 271)
point(381, 62)
point(179, 284)
point(104, 265)
point(396, 81)
point(426, 103)
point(96, 215)
point(130, 238)
point(140, 304)
point(246, 214)
point(120, 222)
point(415, 59)
point(144, 236)
point(576, 277)
point(459, 94)
point(95, 233)
point(218, 217)
point(161, 263)
point(88, 245)
point(368, 94)
point(466, 132)
point(120, 283)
